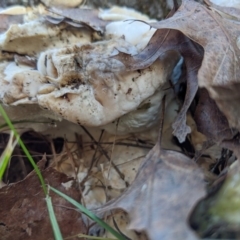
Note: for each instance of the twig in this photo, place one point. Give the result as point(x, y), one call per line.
point(103, 151)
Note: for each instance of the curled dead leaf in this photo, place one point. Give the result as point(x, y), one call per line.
point(219, 72)
point(86, 17)
point(165, 190)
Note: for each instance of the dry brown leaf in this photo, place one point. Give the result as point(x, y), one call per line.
point(219, 36)
point(210, 120)
point(160, 199)
point(218, 32)
point(24, 213)
point(228, 12)
point(76, 16)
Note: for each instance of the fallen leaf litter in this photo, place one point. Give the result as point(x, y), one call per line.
point(90, 76)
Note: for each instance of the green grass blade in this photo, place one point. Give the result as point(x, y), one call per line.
point(6, 155)
point(90, 214)
point(9, 123)
point(55, 226)
point(4, 163)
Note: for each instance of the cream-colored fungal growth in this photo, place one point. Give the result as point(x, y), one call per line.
point(3, 82)
point(92, 88)
point(138, 33)
point(145, 116)
point(15, 10)
point(33, 37)
point(131, 31)
point(121, 13)
point(62, 3)
point(80, 80)
point(21, 88)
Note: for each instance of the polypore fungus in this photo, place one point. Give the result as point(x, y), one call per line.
point(82, 81)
